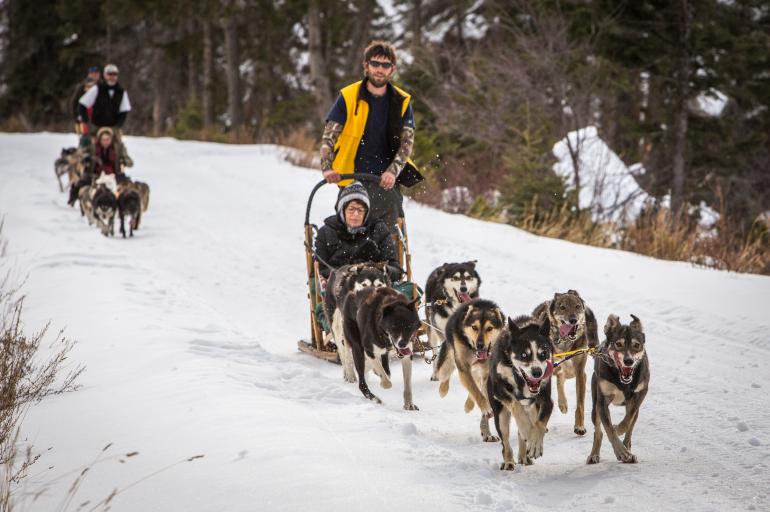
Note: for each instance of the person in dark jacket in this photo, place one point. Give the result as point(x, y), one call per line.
point(353, 236)
point(91, 79)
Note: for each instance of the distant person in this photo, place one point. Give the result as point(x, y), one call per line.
point(105, 163)
point(370, 129)
point(354, 236)
point(92, 78)
point(110, 105)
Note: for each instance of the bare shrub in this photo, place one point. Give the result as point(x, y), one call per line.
point(26, 377)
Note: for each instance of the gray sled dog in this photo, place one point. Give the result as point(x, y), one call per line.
point(61, 165)
point(374, 321)
point(519, 384)
point(343, 281)
point(471, 333)
point(572, 326)
point(86, 207)
point(621, 377)
point(448, 287)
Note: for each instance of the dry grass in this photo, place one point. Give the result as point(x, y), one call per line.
point(661, 234)
point(26, 377)
point(303, 147)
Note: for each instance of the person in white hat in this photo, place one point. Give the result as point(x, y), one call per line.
point(110, 107)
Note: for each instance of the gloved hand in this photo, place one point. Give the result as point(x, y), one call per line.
point(368, 251)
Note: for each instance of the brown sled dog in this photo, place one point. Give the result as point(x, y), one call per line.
point(471, 334)
point(573, 326)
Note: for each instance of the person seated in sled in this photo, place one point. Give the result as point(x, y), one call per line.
point(105, 163)
point(355, 236)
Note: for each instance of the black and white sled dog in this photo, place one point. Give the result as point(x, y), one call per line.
point(621, 377)
point(374, 321)
point(103, 207)
point(343, 281)
point(448, 287)
point(572, 327)
point(519, 384)
point(471, 333)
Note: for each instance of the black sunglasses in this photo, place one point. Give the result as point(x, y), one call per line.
point(110, 74)
point(379, 64)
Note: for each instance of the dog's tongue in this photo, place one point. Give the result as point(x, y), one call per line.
point(566, 329)
point(482, 355)
point(406, 351)
point(626, 371)
point(463, 297)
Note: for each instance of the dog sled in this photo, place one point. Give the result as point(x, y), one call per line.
point(320, 344)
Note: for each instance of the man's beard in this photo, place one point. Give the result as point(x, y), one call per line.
point(377, 82)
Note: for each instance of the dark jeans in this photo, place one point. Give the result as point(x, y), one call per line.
point(385, 204)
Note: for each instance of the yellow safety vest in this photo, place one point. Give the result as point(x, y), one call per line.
point(347, 144)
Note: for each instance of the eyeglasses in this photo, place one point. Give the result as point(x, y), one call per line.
point(110, 74)
point(380, 64)
point(356, 210)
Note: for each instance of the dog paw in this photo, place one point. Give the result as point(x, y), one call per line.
point(434, 378)
point(535, 449)
point(411, 407)
point(468, 407)
point(628, 458)
point(592, 459)
point(489, 438)
point(581, 431)
point(507, 466)
point(563, 407)
point(350, 378)
point(525, 460)
point(386, 384)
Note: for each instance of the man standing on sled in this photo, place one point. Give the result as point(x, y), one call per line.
point(370, 129)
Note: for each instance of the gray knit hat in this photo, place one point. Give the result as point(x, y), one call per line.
point(354, 191)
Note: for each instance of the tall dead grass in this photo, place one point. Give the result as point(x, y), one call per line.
point(661, 234)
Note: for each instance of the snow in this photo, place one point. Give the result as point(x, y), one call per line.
point(711, 103)
point(189, 332)
point(607, 185)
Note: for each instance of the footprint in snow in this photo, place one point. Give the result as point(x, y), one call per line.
point(754, 441)
point(742, 427)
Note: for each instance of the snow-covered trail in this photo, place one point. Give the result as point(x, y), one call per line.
point(189, 335)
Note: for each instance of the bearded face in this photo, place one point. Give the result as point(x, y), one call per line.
point(378, 70)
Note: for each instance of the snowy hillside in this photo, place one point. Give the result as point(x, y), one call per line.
point(189, 332)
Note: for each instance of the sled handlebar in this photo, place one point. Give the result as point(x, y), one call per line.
point(359, 176)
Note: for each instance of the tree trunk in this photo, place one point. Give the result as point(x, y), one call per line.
point(232, 59)
point(318, 71)
point(208, 75)
point(415, 23)
point(680, 119)
point(192, 63)
point(159, 92)
point(359, 35)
